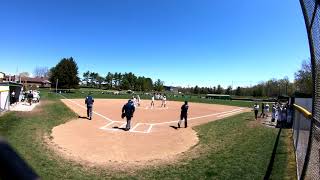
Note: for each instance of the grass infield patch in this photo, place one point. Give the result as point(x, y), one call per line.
point(230, 149)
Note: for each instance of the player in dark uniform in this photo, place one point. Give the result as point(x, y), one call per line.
point(89, 102)
point(262, 110)
point(30, 97)
point(184, 114)
point(128, 110)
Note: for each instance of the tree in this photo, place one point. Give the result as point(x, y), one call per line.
point(41, 72)
point(219, 89)
point(196, 90)
point(100, 80)
point(24, 74)
point(158, 85)
point(86, 77)
point(93, 78)
point(238, 91)
point(272, 88)
point(131, 78)
point(258, 90)
point(284, 85)
point(148, 83)
point(66, 72)
point(303, 78)
point(125, 84)
point(228, 90)
point(109, 80)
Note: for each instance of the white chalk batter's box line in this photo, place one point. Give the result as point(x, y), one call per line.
point(151, 125)
point(123, 125)
point(221, 114)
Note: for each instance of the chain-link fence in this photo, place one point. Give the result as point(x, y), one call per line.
point(301, 130)
point(308, 156)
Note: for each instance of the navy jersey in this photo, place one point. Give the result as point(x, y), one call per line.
point(89, 101)
point(128, 109)
point(184, 109)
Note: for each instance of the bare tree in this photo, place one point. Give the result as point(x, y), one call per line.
point(41, 72)
point(24, 74)
point(303, 78)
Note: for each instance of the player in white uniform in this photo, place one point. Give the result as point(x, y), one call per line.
point(152, 101)
point(164, 101)
point(134, 101)
point(138, 100)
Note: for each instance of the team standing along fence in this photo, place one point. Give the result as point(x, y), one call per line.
point(307, 131)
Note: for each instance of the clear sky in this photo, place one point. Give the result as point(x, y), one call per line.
point(182, 42)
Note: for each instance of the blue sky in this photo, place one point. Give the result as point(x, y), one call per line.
point(182, 42)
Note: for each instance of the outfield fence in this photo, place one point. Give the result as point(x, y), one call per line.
point(307, 129)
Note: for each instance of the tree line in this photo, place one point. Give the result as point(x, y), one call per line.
point(302, 85)
point(66, 73)
point(121, 81)
point(271, 88)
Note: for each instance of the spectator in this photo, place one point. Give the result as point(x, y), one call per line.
point(283, 116)
point(13, 97)
point(278, 115)
point(30, 97)
point(273, 116)
point(267, 109)
point(256, 110)
point(262, 111)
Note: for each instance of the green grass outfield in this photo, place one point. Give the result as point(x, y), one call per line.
point(96, 93)
point(235, 148)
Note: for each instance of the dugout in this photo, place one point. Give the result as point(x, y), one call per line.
point(6, 96)
point(218, 96)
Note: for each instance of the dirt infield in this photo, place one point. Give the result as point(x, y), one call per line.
point(152, 136)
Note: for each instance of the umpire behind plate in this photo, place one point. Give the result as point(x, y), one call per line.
point(127, 111)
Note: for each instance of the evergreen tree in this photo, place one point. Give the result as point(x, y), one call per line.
point(66, 72)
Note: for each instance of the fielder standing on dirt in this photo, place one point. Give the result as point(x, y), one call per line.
point(164, 101)
point(152, 101)
point(89, 102)
point(128, 110)
point(184, 114)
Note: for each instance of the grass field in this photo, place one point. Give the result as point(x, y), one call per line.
point(82, 93)
point(233, 148)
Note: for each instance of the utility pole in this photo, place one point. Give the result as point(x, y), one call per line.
point(57, 85)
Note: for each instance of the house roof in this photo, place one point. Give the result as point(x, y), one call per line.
point(36, 79)
point(29, 79)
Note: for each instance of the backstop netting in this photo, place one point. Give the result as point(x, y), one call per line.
point(309, 164)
